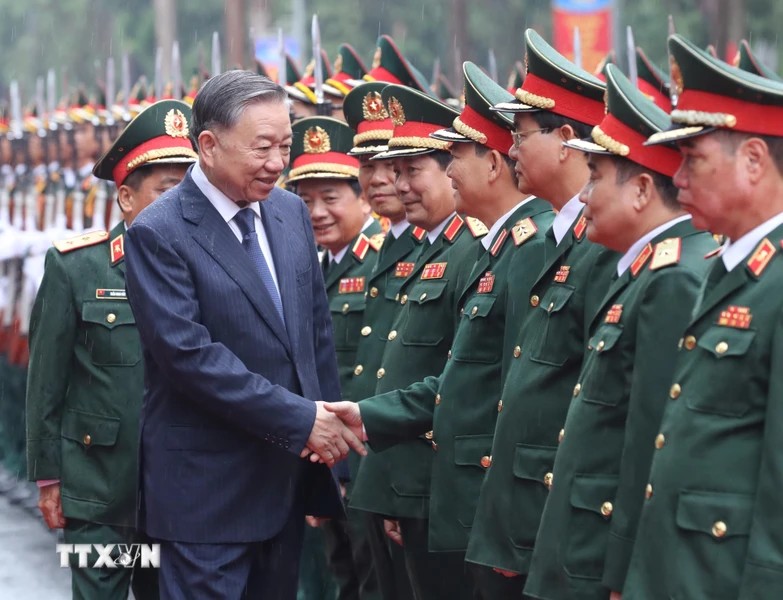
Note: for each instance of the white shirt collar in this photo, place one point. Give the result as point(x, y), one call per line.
point(336, 258)
point(222, 203)
point(433, 233)
point(627, 259)
point(368, 222)
point(397, 229)
point(734, 252)
point(489, 239)
point(566, 217)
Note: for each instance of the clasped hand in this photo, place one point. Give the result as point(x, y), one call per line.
point(337, 430)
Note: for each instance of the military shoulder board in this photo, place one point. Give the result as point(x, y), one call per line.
point(476, 227)
point(351, 285)
point(666, 253)
point(81, 241)
point(523, 231)
point(376, 241)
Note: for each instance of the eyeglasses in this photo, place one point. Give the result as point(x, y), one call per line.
point(520, 136)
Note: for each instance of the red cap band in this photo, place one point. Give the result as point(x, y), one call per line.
point(750, 117)
point(381, 74)
point(335, 158)
point(498, 137)
point(160, 147)
point(567, 103)
point(660, 158)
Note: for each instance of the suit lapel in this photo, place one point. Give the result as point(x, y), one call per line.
point(216, 238)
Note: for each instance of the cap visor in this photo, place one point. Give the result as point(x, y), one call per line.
point(367, 150)
point(513, 107)
point(449, 135)
point(398, 152)
point(671, 136)
point(586, 145)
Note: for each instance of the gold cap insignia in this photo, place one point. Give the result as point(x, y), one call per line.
point(176, 124)
point(316, 141)
point(338, 64)
point(396, 112)
point(372, 107)
point(376, 58)
point(676, 76)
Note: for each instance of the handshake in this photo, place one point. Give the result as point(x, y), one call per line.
point(337, 429)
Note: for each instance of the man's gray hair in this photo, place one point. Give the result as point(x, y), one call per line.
point(222, 99)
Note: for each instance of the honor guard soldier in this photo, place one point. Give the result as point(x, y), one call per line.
point(396, 482)
point(86, 380)
point(589, 521)
point(366, 114)
point(557, 102)
point(710, 526)
point(325, 177)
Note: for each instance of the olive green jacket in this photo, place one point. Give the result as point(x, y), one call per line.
point(86, 381)
point(396, 482)
point(589, 522)
point(536, 395)
point(461, 403)
point(711, 525)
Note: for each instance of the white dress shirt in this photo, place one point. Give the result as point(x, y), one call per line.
point(566, 217)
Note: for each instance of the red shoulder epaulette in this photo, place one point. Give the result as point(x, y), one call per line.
point(418, 233)
point(641, 259)
point(453, 228)
point(361, 247)
point(761, 257)
point(580, 227)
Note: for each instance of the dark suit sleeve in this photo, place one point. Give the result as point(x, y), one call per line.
point(660, 324)
point(52, 341)
point(165, 303)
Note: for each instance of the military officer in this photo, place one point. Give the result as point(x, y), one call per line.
point(557, 102)
point(85, 380)
point(589, 521)
point(325, 177)
point(460, 404)
point(365, 113)
point(710, 526)
point(396, 483)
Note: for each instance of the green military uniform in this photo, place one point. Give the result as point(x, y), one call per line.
point(548, 348)
point(710, 527)
point(86, 380)
point(589, 522)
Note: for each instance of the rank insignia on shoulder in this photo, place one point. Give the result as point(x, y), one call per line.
point(433, 270)
point(499, 241)
point(523, 230)
point(361, 246)
point(105, 294)
point(666, 253)
point(453, 228)
point(761, 257)
point(613, 314)
point(579, 228)
point(83, 240)
point(562, 273)
point(418, 233)
point(476, 227)
point(351, 285)
point(117, 249)
point(486, 283)
point(376, 241)
point(738, 317)
point(403, 269)
point(641, 259)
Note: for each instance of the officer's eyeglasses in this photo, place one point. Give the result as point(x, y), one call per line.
point(520, 136)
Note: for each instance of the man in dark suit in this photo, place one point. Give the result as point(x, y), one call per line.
point(226, 287)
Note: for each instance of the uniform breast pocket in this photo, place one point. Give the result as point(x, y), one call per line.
point(553, 329)
point(111, 337)
point(347, 315)
point(427, 313)
point(602, 357)
point(485, 331)
point(721, 392)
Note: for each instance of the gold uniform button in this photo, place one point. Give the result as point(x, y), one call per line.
point(648, 491)
point(577, 389)
point(358, 370)
point(474, 311)
point(404, 299)
point(111, 317)
point(486, 462)
point(373, 292)
point(606, 509)
point(500, 406)
point(689, 342)
point(428, 435)
point(346, 308)
point(437, 399)
point(392, 335)
point(660, 441)
point(517, 351)
point(87, 439)
point(548, 479)
point(719, 529)
point(721, 348)
point(366, 330)
point(600, 345)
point(423, 297)
point(675, 391)
point(560, 436)
point(534, 300)
point(381, 372)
